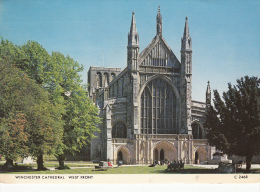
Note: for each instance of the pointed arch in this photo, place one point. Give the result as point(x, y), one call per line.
point(123, 154)
point(200, 154)
point(169, 81)
point(164, 150)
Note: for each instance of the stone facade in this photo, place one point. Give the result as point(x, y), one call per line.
point(146, 110)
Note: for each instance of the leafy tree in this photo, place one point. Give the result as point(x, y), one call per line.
point(21, 95)
point(9, 51)
point(46, 130)
point(35, 61)
point(233, 126)
point(59, 75)
point(14, 137)
point(80, 115)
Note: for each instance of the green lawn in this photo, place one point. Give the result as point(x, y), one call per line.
point(188, 169)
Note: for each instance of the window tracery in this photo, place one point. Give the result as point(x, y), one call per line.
point(158, 108)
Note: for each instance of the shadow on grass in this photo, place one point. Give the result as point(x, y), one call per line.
point(206, 171)
point(189, 171)
point(16, 168)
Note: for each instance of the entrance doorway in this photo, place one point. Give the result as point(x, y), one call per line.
point(164, 150)
point(161, 155)
point(120, 156)
point(200, 155)
point(123, 155)
point(196, 158)
point(156, 155)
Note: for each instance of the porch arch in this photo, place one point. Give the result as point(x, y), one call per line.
point(123, 154)
point(200, 155)
point(164, 150)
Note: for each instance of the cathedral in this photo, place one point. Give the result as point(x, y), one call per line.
point(146, 110)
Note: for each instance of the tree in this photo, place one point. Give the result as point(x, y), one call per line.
point(59, 75)
point(40, 121)
point(233, 126)
point(14, 137)
point(80, 115)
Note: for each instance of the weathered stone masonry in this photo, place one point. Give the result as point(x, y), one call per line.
point(146, 110)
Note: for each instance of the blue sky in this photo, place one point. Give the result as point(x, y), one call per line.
point(225, 33)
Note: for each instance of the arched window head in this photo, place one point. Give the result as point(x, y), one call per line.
point(119, 130)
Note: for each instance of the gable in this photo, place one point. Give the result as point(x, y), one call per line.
point(159, 54)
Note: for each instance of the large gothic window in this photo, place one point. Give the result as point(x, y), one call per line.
point(158, 108)
point(119, 130)
point(146, 112)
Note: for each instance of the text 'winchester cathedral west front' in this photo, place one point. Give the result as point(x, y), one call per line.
point(146, 110)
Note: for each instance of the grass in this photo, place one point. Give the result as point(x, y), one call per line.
point(188, 169)
point(89, 167)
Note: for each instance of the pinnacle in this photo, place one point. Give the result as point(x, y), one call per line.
point(186, 28)
point(208, 88)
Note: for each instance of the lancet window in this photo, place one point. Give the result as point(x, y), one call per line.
point(99, 80)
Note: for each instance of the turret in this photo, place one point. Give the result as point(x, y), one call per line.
point(133, 76)
point(186, 50)
point(186, 79)
point(208, 95)
point(133, 46)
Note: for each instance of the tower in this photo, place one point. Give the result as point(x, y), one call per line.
point(186, 79)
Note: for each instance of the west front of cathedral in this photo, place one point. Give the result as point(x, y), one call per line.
point(146, 110)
